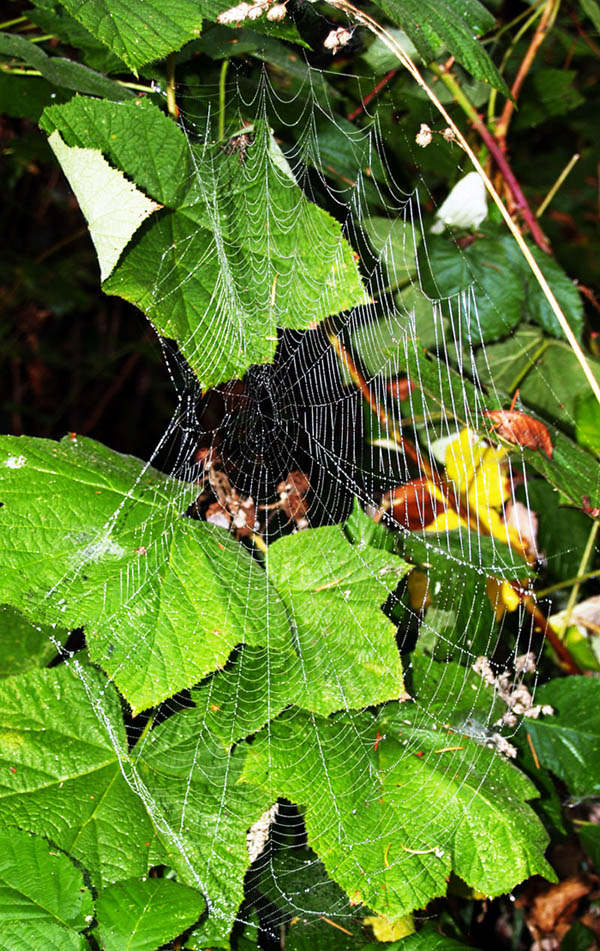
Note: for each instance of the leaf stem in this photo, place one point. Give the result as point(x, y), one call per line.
point(172, 106)
point(576, 587)
point(566, 171)
point(222, 78)
point(529, 366)
point(7, 23)
point(578, 579)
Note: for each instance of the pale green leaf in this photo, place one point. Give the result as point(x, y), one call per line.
point(238, 250)
point(113, 208)
point(96, 539)
point(40, 886)
point(592, 9)
point(61, 775)
point(143, 915)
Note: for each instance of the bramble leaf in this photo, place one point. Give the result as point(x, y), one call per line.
point(144, 915)
point(81, 523)
point(62, 774)
point(237, 251)
point(43, 900)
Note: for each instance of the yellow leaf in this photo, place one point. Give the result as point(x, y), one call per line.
point(386, 930)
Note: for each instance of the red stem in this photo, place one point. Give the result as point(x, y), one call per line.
point(374, 92)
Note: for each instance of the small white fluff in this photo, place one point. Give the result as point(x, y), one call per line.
point(465, 206)
point(276, 13)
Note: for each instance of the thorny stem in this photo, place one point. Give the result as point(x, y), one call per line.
point(392, 44)
point(222, 78)
point(497, 154)
point(542, 30)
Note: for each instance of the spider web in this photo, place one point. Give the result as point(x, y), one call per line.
point(326, 649)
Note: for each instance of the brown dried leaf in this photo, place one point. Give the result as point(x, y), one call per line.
point(521, 429)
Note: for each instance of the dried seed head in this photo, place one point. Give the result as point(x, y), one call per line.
point(336, 39)
point(256, 10)
point(276, 13)
point(423, 136)
point(234, 14)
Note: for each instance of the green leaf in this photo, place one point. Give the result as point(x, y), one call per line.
point(195, 787)
point(139, 31)
point(427, 939)
point(23, 645)
point(592, 9)
point(295, 881)
point(487, 275)
point(537, 308)
point(397, 818)
point(547, 93)
point(587, 421)
point(52, 18)
point(61, 771)
point(113, 208)
point(568, 743)
point(40, 887)
point(217, 266)
point(80, 521)
point(143, 915)
point(589, 835)
point(27, 96)
point(438, 25)
point(333, 591)
point(497, 286)
point(62, 72)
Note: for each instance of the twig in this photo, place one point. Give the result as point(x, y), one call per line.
point(533, 752)
point(222, 78)
point(370, 96)
point(546, 628)
point(542, 30)
point(360, 382)
point(566, 170)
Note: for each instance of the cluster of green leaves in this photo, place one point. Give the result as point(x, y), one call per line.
point(302, 692)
